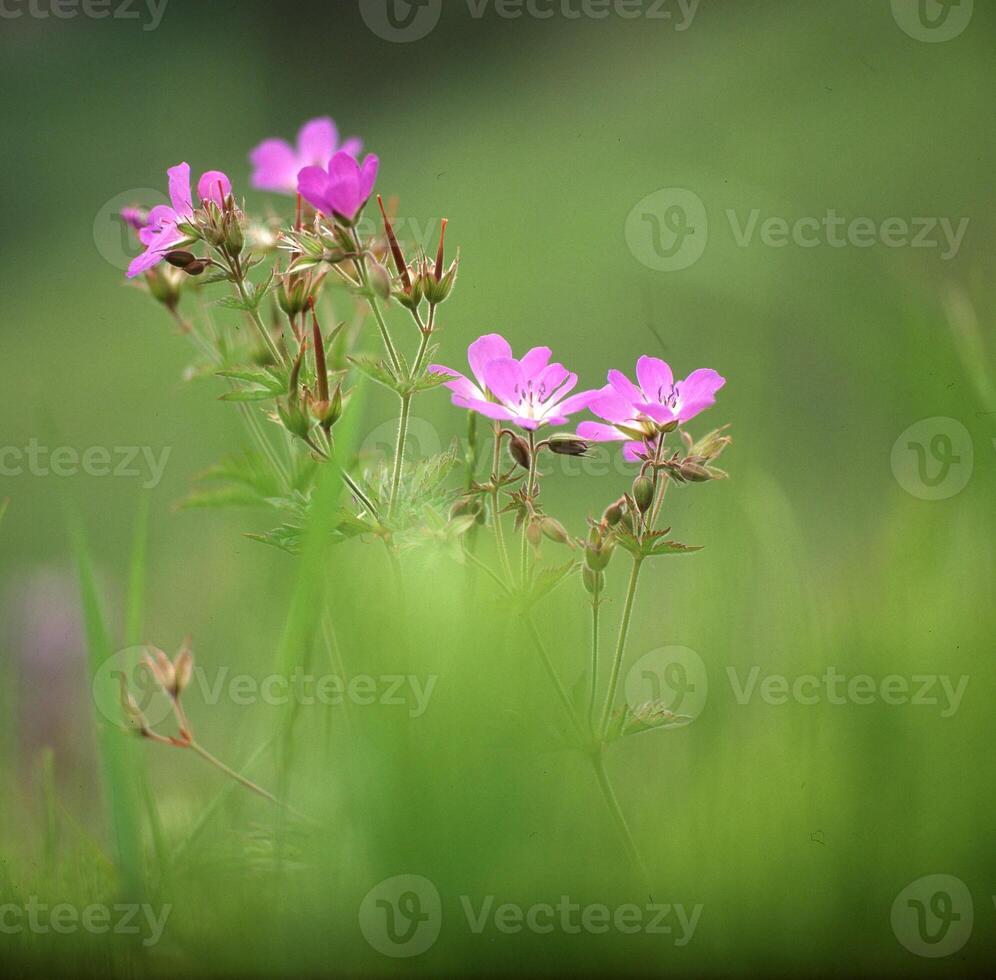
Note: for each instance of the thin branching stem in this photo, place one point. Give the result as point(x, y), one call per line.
point(620, 645)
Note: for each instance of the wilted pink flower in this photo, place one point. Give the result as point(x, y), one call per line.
point(342, 189)
point(160, 232)
point(633, 410)
point(276, 163)
point(530, 392)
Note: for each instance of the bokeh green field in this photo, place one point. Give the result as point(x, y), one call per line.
point(794, 825)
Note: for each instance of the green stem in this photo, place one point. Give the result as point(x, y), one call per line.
point(496, 516)
point(406, 405)
point(615, 809)
point(565, 698)
point(385, 336)
point(596, 602)
point(530, 484)
point(399, 452)
point(240, 280)
point(620, 645)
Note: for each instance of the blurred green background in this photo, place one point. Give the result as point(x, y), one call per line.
point(797, 825)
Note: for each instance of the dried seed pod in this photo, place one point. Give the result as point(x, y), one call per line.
point(519, 449)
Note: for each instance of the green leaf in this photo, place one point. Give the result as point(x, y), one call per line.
point(661, 548)
point(376, 370)
point(249, 395)
point(549, 578)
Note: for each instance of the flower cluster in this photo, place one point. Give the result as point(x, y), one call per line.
point(278, 272)
point(532, 392)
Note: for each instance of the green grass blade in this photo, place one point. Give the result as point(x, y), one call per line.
point(119, 755)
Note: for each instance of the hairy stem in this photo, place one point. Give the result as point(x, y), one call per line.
point(620, 645)
point(596, 601)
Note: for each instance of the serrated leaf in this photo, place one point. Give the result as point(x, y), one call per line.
point(549, 578)
point(661, 548)
point(376, 370)
point(253, 395)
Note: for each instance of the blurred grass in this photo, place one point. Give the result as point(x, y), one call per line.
point(796, 826)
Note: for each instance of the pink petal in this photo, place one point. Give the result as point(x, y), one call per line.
point(179, 189)
point(317, 141)
point(576, 403)
point(535, 360)
point(633, 452)
point(460, 386)
point(655, 377)
point(352, 146)
point(597, 432)
point(625, 387)
point(214, 186)
point(368, 176)
point(312, 183)
point(657, 412)
point(144, 262)
point(160, 217)
point(342, 190)
point(689, 410)
point(553, 381)
point(275, 166)
point(487, 348)
point(524, 422)
point(700, 385)
point(608, 404)
point(489, 409)
point(504, 378)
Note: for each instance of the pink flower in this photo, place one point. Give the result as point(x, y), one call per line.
point(276, 163)
point(632, 410)
point(530, 392)
point(341, 190)
point(160, 233)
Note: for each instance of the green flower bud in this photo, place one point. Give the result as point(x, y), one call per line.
point(593, 581)
point(643, 493)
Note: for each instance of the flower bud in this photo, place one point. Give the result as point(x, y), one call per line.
point(164, 285)
point(694, 473)
point(555, 531)
point(597, 555)
point(183, 670)
point(380, 280)
point(294, 419)
point(466, 506)
point(534, 534)
point(234, 238)
point(593, 581)
point(567, 445)
point(614, 513)
point(643, 493)
point(196, 267)
point(519, 449)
